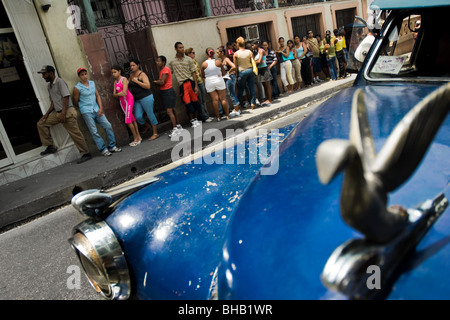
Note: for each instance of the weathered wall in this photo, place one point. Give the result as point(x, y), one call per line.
point(99, 70)
point(211, 32)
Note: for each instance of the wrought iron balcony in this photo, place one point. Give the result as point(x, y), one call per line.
point(224, 7)
point(287, 3)
point(138, 14)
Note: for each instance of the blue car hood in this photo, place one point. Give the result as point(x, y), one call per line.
point(287, 225)
point(172, 232)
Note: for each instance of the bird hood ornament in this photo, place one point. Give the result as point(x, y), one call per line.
point(370, 176)
point(390, 233)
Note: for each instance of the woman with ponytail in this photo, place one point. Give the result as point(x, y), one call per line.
point(212, 71)
point(246, 78)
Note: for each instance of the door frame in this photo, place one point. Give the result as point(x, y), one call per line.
point(7, 147)
point(16, 10)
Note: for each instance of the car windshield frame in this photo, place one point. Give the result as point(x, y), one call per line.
point(395, 23)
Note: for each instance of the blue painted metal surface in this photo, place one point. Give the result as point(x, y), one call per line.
point(271, 235)
point(172, 232)
point(298, 225)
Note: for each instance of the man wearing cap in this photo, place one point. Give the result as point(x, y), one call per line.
point(61, 111)
point(87, 98)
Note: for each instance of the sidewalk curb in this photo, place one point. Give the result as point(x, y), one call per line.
point(35, 195)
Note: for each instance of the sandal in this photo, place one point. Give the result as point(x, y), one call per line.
point(134, 143)
point(153, 137)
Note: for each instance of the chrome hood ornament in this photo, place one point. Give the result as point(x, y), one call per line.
point(390, 233)
point(369, 177)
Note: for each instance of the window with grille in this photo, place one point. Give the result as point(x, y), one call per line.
point(344, 17)
point(301, 25)
point(249, 33)
point(106, 12)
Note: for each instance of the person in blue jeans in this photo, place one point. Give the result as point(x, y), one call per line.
point(330, 51)
point(87, 98)
point(139, 86)
point(272, 61)
point(230, 78)
point(242, 59)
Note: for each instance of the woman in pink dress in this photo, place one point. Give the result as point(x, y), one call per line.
point(126, 102)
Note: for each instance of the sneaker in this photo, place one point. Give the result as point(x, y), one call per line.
point(246, 105)
point(84, 158)
point(106, 153)
point(195, 123)
point(49, 150)
point(235, 113)
point(210, 119)
point(179, 127)
point(257, 103)
point(115, 149)
point(175, 132)
point(218, 119)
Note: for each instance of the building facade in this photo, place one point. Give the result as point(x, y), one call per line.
point(99, 33)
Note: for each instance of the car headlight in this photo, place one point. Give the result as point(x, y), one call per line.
point(102, 259)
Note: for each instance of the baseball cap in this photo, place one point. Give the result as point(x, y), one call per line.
point(47, 69)
point(81, 69)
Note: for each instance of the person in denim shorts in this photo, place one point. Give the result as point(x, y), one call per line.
point(168, 94)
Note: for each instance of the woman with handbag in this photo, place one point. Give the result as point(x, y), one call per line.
point(243, 59)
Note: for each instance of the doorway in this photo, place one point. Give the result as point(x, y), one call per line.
point(19, 109)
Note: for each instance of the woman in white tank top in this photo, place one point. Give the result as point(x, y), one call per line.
point(212, 71)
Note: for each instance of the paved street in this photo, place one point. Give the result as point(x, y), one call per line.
point(36, 258)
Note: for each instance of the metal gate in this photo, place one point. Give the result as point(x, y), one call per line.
point(141, 46)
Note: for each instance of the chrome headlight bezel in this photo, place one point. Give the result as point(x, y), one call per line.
point(102, 259)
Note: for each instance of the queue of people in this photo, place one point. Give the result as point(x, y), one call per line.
point(243, 75)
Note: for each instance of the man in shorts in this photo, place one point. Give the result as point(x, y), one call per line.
point(185, 72)
point(168, 94)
